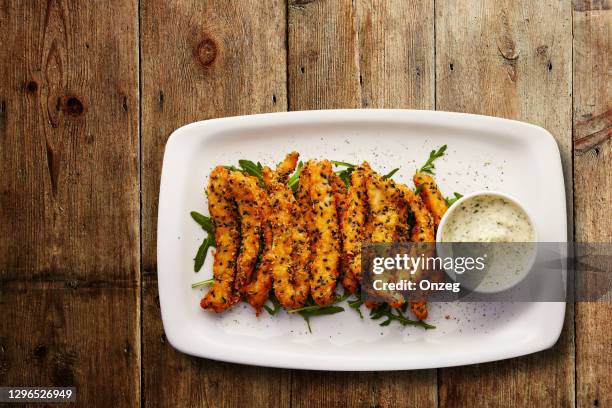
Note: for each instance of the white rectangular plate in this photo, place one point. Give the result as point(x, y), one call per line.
point(483, 152)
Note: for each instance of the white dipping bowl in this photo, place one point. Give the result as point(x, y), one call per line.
point(527, 261)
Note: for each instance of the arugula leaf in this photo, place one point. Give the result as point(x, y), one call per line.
point(386, 311)
point(203, 283)
point(312, 309)
point(252, 168)
point(328, 310)
point(345, 175)
point(356, 305)
point(275, 303)
point(343, 164)
point(201, 254)
point(429, 166)
point(294, 180)
point(390, 174)
point(204, 221)
point(451, 200)
point(311, 305)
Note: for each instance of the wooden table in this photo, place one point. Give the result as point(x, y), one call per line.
point(89, 93)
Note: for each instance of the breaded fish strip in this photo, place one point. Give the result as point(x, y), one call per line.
point(291, 284)
point(384, 199)
point(388, 214)
point(258, 289)
point(304, 218)
point(423, 229)
point(325, 237)
point(286, 167)
point(222, 294)
point(431, 195)
point(352, 226)
point(251, 200)
point(256, 292)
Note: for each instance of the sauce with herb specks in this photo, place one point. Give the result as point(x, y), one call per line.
point(488, 218)
point(506, 232)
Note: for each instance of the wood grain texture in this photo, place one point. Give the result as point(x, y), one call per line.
point(593, 188)
point(323, 55)
point(510, 59)
point(86, 338)
point(345, 54)
point(200, 60)
point(69, 253)
point(396, 54)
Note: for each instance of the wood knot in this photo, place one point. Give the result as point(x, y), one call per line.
point(40, 351)
point(509, 53)
point(31, 87)
point(71, 105)
point(206, 52)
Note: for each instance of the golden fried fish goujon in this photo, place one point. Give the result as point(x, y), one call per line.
point(325, 235)
point(352, 226)
point(431, 195)
point(251, 200)
point(257, 291)
point(291, 284)
point(222, 294)
point(388, 213)
point(423, 229)
point(384, 199)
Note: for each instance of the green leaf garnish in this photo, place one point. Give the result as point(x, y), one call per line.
point(343, 164)
point(396, 315)
point(312, 309)
point(203, 283)
point(310, 305)
point(204, 221)
point(252, 168)
point(345, 175)
point(294, 180)
point(355, 304)
point(201, 254)
point(276, 306)
point(451, 200)
point(327, 310)
point(390, 174)
point(429, 166)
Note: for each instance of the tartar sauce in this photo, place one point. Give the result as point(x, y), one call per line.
point(493, 220)
point(488, 218)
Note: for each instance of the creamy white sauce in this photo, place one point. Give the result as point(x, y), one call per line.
point(492, 219)
point(488, 218)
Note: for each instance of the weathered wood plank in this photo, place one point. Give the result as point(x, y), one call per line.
point(357, 54)
point(69, 253)
point(593, 188)
point(323, 55)
point(511, 59)
point(200, 60)
point(396, 54)
point(59, 336)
